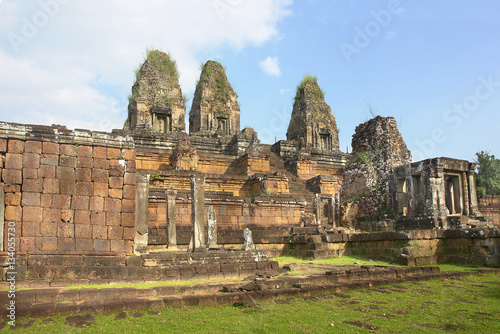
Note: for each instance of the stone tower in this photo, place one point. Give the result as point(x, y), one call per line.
point(215, 109)
point(156, 103)
point(312, 122)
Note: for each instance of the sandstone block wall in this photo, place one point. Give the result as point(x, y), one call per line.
point(489, 206)
point(68, 192)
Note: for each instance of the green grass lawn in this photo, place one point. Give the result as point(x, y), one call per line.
point(470, 304)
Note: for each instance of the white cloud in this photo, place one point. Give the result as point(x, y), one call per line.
point(270, 66)
point(78, 64)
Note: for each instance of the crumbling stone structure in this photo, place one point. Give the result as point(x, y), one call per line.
point(156, 102)
point(215, 110)
point(377, 148)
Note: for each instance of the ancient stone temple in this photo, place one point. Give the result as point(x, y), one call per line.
point(215, 109)
point(133, 203)
point(312, 122)
point(156, 102)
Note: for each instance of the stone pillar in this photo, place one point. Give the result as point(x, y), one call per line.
point(141, 214)
point(211, 228)
point(473, 209)
point(317, 204)
point(332, 211)
point(465, 194)
point(247, 236)
point(171, 228)
point(197, 242)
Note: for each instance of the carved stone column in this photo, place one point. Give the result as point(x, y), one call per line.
point(170, 195)
point(141, 214)
point(197, 243)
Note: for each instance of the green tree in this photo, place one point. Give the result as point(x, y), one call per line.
point(488, 174)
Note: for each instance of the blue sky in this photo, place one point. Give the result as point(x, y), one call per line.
point(433, 65)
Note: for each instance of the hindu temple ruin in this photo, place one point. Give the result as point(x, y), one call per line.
point(162, 199)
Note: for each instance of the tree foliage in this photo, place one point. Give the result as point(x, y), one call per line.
point(488, 174)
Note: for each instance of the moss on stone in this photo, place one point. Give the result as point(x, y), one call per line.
point(313, 90)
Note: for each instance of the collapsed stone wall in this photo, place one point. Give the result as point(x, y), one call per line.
point(67, 192)
point(377, 147)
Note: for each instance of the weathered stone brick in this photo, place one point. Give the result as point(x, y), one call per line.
point(83, 174)
point(99, 152)
point(34, 186)
point(113, 218)
point(27, 244)
point(12, 176)
point(65, 173)
point(130, 166)
point(128, 219)
point(67, 215)
point(31, 160)
point(12, 188)
point(66, 230)
point(98, 218)
point(96, 203)
point(113, 153)
point(128, 192)
point(84, 245)
point(128, 155)
point(80, 202)
point(115, 193)
point(115, 232)
point(49, 159)
point(128, 233)
point(13, 213)
point(101, 245)
point(67, 149)
point(101, 189)
point(30, 173)
point(32, 214)
point(67, 161)
point(83, 231)
point(67, 187)
point(3, 145)
point(112, 205)
point(49, 244)
point(47, 171)
point(84, 151)
point(46, 200)
point(62, 201)
point(12, 199)
point(117, 246)
point(31, 199)
point(84, 162)
point(116, 182)
point(101, 163)
point(50, 148)
point(51, 215)
point(33, 147)
point(82, 217)
point(15, 146)
point(30, 228)
point(50, 186)
point(116, 170)
point(13, 161)
point(100, 175)
point(66, 244)
point(48, 228)
point(129, 179)
point(99, 232)
point(128, 205)
point(85, 188)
